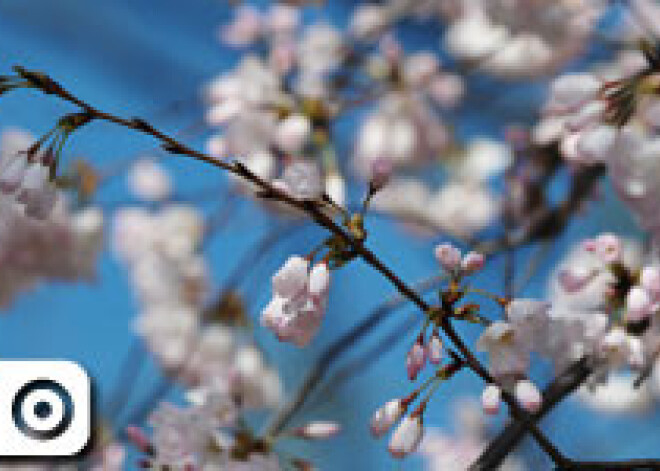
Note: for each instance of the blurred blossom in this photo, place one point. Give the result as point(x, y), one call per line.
point(522, 38)
point(148, 180)
point(455, 452)
point(64, 245)
point(617, 396)
point(169, 275)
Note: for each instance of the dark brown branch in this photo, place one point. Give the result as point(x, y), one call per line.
point(565, 384)
point(510, 437)
point(48, 85)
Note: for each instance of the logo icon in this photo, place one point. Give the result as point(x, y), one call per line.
point(45, 408)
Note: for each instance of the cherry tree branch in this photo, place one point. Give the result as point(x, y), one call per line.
point(265, 189)
point(560, 388)
point(340, 346)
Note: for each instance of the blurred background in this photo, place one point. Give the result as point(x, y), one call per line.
point(152, 59)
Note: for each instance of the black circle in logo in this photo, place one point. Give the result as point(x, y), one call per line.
point(42, 409)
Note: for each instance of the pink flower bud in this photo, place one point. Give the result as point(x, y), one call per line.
point(416, 358)
point(435, 348)
point(406, 437)
point(386, 416)
point(472, 262)
point(318, 430)
point(381, 171)
point(491, 399)
point(528, 396)
point(639, 304)
point(448, 256)
point(650, 280)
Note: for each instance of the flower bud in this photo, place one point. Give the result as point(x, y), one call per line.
point(448, 256)
point(407, 436)
point(528, 396)
point(416, 358)
point(491, 399)
point(472, 262)
point(386, 416)
point(318, 430)
point(381, 171)
point(435, 348)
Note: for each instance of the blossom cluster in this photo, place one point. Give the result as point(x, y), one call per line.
point(223, 372)
point(41, 237)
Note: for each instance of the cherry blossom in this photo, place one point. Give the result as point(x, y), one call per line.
point(299, 299)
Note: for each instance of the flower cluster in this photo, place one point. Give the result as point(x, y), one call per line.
point(60, 244)
point(451, 452)
point(463, 206)
point(520, 39)
point(169, 275)
point(25, 174)
point(300, 295)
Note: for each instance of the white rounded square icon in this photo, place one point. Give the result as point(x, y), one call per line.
point(45, 408)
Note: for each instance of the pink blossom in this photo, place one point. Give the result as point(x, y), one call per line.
point(246, 27)
point(650, 280)
point(303, 180)
point(149, 181)
point(639, 304)
point(368, 20)
point(291, 279)
point(572, 90)
point(298, 305)
point(509, 354)
point(283, 19)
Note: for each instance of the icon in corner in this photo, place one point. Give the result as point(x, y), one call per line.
point(45, 408)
